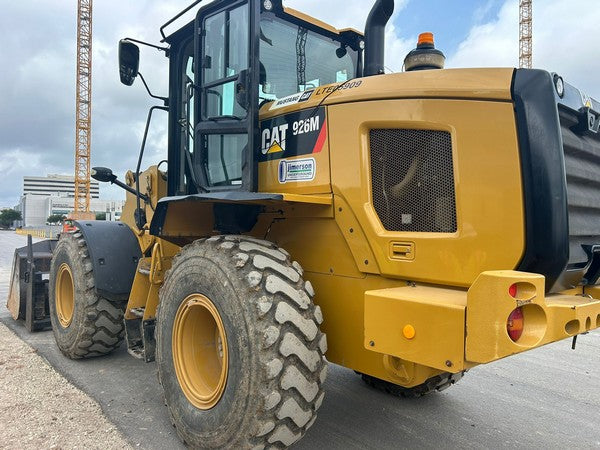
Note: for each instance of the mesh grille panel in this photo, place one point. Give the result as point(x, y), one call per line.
point(582, 165)
point(413, 180)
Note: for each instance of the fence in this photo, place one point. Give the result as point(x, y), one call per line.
point(40, 233)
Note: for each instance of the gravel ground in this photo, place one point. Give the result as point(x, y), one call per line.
point(38, 407)
point(41, 409)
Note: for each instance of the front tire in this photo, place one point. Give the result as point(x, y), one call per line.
point(84, 323)
point(237, 309)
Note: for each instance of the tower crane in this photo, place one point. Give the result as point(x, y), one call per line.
point(525, 34)
point(83, 124)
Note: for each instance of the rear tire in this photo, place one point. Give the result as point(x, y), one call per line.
point(84, 324)
point(434, 384)
point(275, 367)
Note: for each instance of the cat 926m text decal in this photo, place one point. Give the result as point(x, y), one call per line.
point(295, 134)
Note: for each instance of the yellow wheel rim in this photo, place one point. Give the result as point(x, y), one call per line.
point(65, 295)
point(200, 351)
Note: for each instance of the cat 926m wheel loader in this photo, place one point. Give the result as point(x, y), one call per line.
point(425, 222)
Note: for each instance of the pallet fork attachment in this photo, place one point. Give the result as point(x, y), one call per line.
point(28, 293)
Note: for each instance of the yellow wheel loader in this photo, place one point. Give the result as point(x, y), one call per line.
point(425, 222)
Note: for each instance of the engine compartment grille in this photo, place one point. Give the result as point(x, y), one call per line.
point(582, 166)
point(412, 176)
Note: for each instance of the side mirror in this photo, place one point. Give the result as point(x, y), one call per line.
point(129, 61)
point(103, 174)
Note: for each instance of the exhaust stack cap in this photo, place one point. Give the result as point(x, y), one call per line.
point(425, 56)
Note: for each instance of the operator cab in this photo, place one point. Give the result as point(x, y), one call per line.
point(244, 56)
point(233, 58)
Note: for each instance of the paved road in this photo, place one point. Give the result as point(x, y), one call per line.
point(547, 398)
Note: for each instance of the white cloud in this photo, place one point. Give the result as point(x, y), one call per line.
point(37, 86)
point(482, 11)
point(565, 36)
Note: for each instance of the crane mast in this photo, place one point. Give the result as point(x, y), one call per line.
point(525, 34)
point(83, 127)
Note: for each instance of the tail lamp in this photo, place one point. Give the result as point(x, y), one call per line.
point(514, 324)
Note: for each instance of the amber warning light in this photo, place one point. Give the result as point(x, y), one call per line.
point(425, 38)
point(425, 56)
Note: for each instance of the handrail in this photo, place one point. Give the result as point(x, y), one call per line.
point(162, 32)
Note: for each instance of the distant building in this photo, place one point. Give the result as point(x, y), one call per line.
point(36, 209)
point(55, 194)
point(63, 185)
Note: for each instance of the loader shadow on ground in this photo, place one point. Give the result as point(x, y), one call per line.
point(549, 398)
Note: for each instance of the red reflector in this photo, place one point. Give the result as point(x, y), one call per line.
point(512, 290)
point(514, 324)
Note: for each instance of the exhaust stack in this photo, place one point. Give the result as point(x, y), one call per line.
point(375, 37)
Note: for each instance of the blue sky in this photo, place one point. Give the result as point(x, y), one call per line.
point(450, 24)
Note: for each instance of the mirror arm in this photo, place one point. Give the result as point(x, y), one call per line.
point(157, 47)
point(131, 190)
point(164, 99)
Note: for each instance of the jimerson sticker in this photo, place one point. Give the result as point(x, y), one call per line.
point(297, 170)
point(295, 134)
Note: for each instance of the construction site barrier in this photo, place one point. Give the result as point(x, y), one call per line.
point(40, 233)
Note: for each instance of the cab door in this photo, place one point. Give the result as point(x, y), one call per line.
point(227, 69)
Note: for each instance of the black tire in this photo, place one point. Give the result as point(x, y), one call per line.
point(434, 384)
point(276, 367)
point(97, 326)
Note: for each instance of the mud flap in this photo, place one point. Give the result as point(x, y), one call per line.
point(28, 292)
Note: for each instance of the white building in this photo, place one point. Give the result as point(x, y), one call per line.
point(36, 209)
point(63, 185)
point(55, 194)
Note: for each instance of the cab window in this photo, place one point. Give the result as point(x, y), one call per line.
point(296, 59)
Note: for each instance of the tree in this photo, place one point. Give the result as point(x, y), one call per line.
point(55, 218)
point(8, 216)
point(101, 216)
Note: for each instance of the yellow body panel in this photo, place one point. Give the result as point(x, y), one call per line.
point(468, 84)
point(487, 180)
point(314, 21)
point(143, 298)
point(546, 318)
point(342, 299)
point(420, 324)
point(153, 183)
point(321, 184)
point(300, 15)
point(400, 306)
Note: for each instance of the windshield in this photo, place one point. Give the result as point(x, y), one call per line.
point(294, 59)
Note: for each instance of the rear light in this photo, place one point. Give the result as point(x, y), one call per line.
point(514, 324)
point(512, 290)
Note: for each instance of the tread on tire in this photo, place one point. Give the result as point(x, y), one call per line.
point(276, 367)
point(97, 326)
